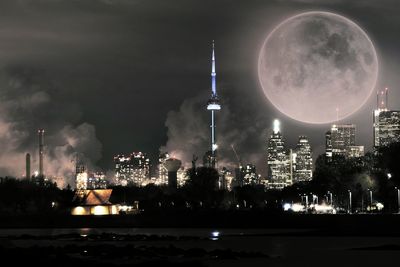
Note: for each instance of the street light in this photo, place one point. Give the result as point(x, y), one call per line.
point(398, 199)
point(315, 199)
point(349, 202)
point(370, 200)
point(306, 196)
point(330, 198)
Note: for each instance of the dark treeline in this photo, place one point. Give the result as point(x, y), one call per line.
point(378, 173)
point(32, 197)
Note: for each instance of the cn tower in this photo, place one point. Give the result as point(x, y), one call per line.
point(213, 105)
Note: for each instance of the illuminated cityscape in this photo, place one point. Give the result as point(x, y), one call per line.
point(341, 141)
point(120, 145)
point(386, 122)
point(133, 169)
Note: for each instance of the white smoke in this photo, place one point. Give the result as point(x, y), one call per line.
point(240, 123)
point(26, 104)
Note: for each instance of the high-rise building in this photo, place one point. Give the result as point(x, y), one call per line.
point(302, 160)
point(133, 169)
point(341, 141)
point(226, 179)
point(97, 180)
point(81, 176)
point(213, 105)
point(162, 170)
point(386, 122)
point(249, 175)
point(182, 176)
point(278, 160)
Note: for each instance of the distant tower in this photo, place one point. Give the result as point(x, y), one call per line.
point(28, 165)
point(41, 151)
point(213, 105)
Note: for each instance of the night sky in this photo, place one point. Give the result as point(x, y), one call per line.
point(108, 77)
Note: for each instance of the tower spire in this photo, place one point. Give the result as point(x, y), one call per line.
point(213, 105)
point(213, 73)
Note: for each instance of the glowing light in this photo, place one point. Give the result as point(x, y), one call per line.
point(100, 210)
point(215, 234)
point(298, 207)
point(379, 206)
point(276, 126)
point(79, 211)
point(36, 173)
point(286, 206)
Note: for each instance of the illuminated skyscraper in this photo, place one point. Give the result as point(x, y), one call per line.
point(162, 170)
point(341, 141)
point(226, 179)
point(386, 122)
point(249, 175)
point(278, 160)
point(81, 176)
point(213, 105)
point(97, 180)
point(133, 169)
point(302, 159)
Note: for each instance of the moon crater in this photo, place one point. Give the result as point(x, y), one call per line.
point(314, 63)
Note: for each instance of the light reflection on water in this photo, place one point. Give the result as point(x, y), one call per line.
point(196, 232)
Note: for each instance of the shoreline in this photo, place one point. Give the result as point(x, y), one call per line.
point(373, 224)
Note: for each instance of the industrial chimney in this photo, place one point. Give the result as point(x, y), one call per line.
point(41, 151)
point(172, 165)
point(28, 165)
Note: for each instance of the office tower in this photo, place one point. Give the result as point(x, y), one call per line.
point(133, 169)
point(303, 161)
point(81, 175)
point(341, 141)
point(162, 170)
point(278, 160)
point(249, 175)
point(386, 122)
point(97, 180)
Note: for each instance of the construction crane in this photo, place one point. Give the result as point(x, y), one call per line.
point(237, 157)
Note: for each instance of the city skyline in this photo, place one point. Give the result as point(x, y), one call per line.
point(61, 93)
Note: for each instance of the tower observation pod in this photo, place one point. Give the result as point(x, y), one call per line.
point(213, 105)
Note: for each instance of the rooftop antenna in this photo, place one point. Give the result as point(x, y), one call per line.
point(387, 100)
point(377, 99)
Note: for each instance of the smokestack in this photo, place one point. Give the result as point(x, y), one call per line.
point(41, 151)
point(172, 165)
point(28, 165)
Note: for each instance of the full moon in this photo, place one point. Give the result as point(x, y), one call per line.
point(317, 67)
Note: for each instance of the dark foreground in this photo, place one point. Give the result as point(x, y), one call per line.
point(240, 239)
